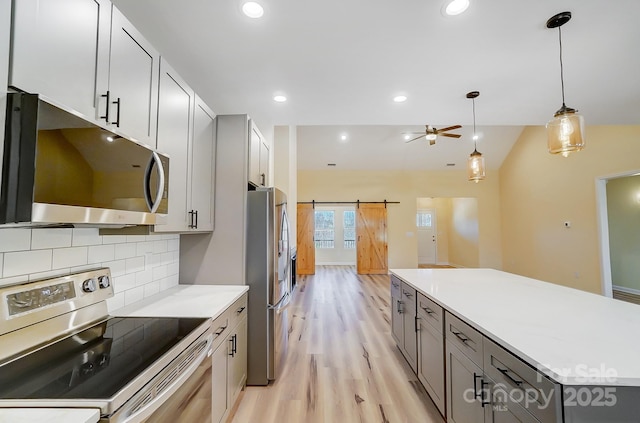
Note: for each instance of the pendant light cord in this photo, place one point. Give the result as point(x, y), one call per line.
point(475, 137)
point(561, 66)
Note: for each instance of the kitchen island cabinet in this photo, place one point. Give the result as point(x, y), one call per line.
point(518, 349)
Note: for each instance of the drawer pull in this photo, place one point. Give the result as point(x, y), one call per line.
point(395, 285)
point(220, 330)
point(240, 310)
point(428, 310)
point(461, 336)
point(407, 294)
point(505, 372)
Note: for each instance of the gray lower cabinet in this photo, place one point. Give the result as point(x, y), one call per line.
point(409, 323)
point(229, 365)
point(396, 312)
point(431, 350)
point(465, 401)
point(403, 320)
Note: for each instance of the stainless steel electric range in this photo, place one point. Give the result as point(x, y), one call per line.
point(60, 348)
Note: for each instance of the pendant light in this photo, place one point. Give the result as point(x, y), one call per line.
point(565, 132)
point(475, 164)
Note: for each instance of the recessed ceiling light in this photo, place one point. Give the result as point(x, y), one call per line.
point(252, 9)
point(400, 98)
point(406, 137)
point(280, 98)
point(343, 137)
point(456, 7)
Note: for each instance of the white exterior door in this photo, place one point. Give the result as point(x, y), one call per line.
point(427, 240)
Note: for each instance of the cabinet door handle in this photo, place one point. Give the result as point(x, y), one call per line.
point(399, 306)
point(117, 122)
point(505, 372)
point(233, 346)
point(483, 401)
point(191, 219)
point(196, 215)
point(476, 394)
point(106, 113)
point(263, 178)
point(461, 336)
point(417, 324)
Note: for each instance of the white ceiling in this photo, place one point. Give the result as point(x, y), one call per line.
point(341, 62)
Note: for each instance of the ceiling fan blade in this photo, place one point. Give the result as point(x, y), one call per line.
point(451, 135)
point(450, 128)
point(416, 138)
point(432, 142)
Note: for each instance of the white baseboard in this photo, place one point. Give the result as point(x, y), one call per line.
point(627, 290)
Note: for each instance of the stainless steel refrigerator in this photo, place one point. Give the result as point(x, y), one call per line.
point(268, 276)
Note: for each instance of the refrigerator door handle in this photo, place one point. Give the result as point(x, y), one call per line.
point(277, 306)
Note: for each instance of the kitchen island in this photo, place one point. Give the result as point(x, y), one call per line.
point(578, 346)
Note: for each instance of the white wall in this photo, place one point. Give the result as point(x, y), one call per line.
point(141, 266)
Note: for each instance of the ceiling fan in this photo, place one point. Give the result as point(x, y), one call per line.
point(431, 133)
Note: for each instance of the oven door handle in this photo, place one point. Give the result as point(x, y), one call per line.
point(147, 410)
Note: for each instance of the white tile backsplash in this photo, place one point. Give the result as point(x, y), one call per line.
point(86, 236)
point(69, 257)
point(50, 238)
point(100, 253)
point(26, 262)
point(15, 239)
point(140, 265)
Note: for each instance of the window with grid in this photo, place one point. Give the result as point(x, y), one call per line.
point(324, 229)
point(349, 224)
point(423, 219)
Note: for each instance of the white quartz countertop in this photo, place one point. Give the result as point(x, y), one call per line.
point(49, 415)
point(186, 301)
point(572, 336)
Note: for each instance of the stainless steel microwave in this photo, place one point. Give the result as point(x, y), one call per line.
point(58, 168)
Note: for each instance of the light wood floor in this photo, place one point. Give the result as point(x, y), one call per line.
point(343, 365)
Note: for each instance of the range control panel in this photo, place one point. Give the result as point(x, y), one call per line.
point(28, 303)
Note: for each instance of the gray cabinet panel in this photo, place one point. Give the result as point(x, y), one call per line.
point(175, 107)
point(133, 81)
point(219, 383)
point(202, 157)
point(464, 388)
point(431, 361)
point(60, 49)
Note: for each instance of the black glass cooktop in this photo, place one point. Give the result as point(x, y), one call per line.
point(95, 363)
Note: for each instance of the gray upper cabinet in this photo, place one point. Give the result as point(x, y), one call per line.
point(60, 50)
point(202, 165)
point(258, 157)
point(175, 113)
point(86, 56)
point(133, 81)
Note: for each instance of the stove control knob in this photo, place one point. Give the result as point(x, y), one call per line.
point(104, 282)
point(89, 285)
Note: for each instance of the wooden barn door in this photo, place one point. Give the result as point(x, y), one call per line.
point(306, 251)
point(371, 235)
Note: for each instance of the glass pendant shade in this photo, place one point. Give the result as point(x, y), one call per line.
point(565, 132)
point(475, 167)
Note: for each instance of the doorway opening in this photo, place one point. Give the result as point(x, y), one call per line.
point(618, 202)
point(447, 232)
point(335, 235)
